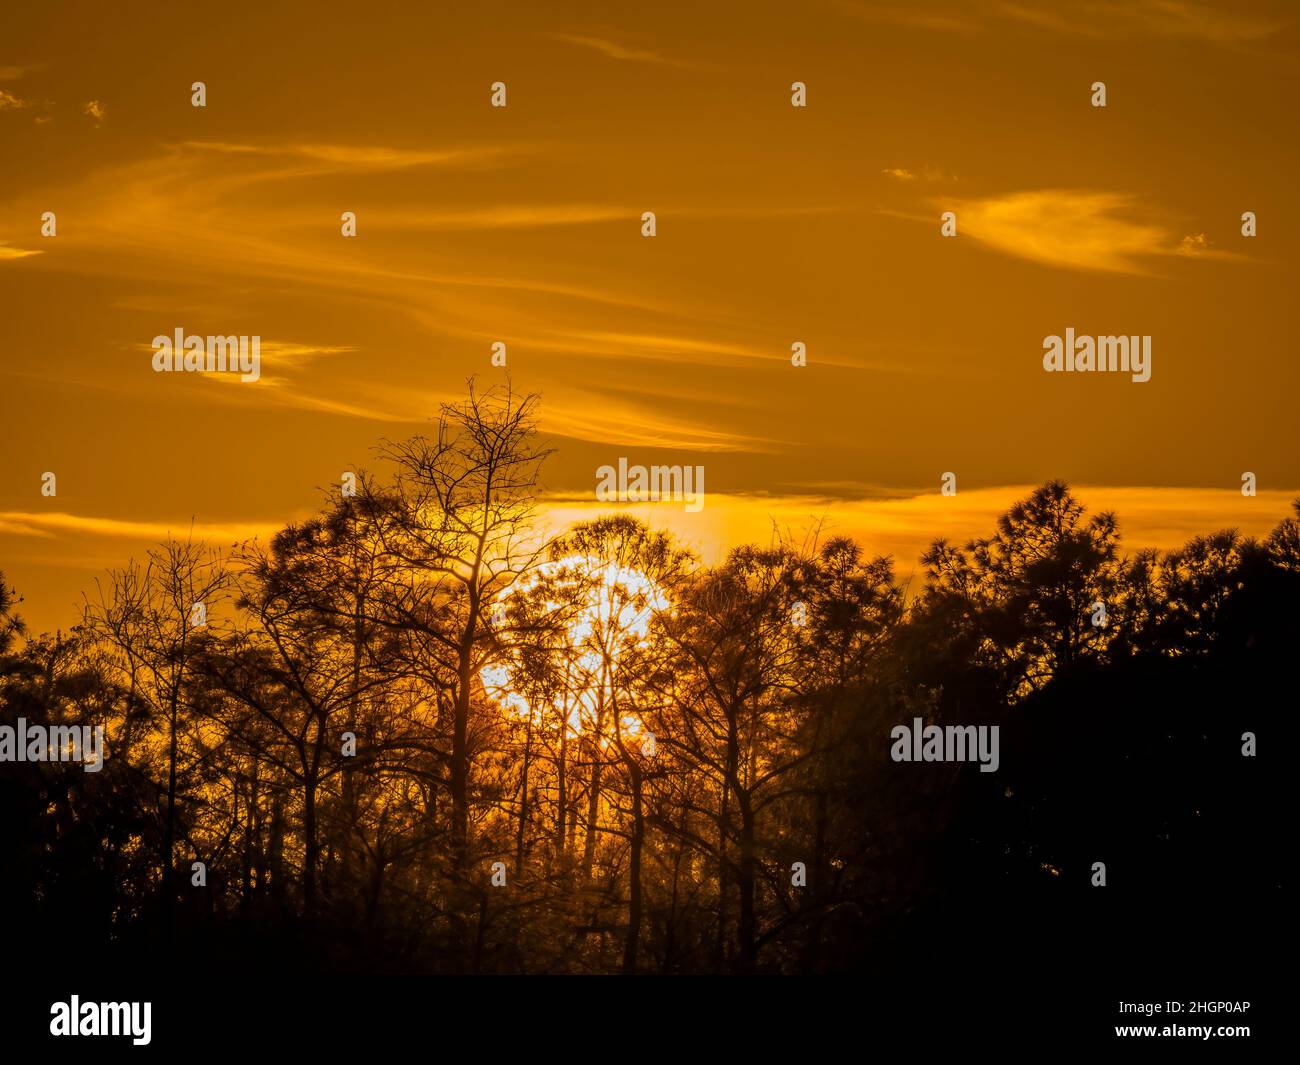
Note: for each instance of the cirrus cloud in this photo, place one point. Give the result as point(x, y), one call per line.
point(1077, 229)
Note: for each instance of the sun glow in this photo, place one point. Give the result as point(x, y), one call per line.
point(609, 609)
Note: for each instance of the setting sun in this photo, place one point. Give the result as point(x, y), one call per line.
point(607, 608)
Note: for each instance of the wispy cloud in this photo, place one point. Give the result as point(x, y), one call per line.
point(8, 251)
point(1234, 23)
point(1230, 24)
point(604, 417)
point(355, 157)
point(517, 216)
point(57, 523)
point(280, 361)
point(283, 383)
point(540, 215)
point(145, 215)
point(656, 346)
point(158, 205)
point(924, 173)
point(613, 49)
point(1195, 245)
point(694, 350)
point(1069, 228)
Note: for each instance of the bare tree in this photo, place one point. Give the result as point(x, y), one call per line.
point(459, 529)
point(152, 617)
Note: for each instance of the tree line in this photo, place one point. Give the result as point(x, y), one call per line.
point(412, 734)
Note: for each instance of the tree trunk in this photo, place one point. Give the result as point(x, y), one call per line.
point(562, 800)
point(634, 872)
point(746, 884)
point(460, 745)
point(169, 829)
point(593, 812)
point(311, 847)
point(523, 796)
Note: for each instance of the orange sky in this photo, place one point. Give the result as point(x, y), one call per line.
point(522, 224)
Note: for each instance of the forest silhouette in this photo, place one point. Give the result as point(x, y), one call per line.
point(672, 768)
